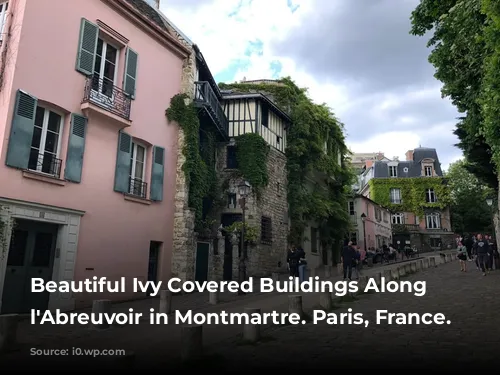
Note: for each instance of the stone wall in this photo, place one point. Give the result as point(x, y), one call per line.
point(263, 258)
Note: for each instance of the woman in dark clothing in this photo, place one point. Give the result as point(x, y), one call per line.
point(293, 261)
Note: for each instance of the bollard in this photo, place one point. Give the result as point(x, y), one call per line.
point(251, 332)
point(449, 258)
point(443, 258)
point(325, 301)
point(401, 271)
point(388, 275)
point(295, 305)
point(213, 298)
point(407, 268)
point(413, 267)
point(328, 272)
point(165, 302)
point(99, 308)
point(275, 276)
point(432, 262)
point(191, 342)
point(378, 278)
point(421, 264)
point(426, 263)
point(394, 273)
point(8, 331)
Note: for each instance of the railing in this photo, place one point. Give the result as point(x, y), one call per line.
point(45, 163)
point(205, 97)
point(138, 188)
point(102, 93)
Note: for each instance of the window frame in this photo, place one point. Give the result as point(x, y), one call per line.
point(133, 165)
point(391, 169)
point(266, 236)
point(394, 197)
point(428, 168)
point(429, 219)
point(43, 137)
point(396, 216)
point(4, 7)
point(430, 195)
point(235, 159)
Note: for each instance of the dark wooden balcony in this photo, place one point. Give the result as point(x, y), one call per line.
point(205, 98)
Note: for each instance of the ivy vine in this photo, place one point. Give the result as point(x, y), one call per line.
point(199, 167)
point(413, 193)
point(250, 231)
point(252, 153)
point(318, 178)
point(4, 228)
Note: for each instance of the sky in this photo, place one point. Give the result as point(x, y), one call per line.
point(357, 56)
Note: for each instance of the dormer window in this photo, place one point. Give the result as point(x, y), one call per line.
point(428, 171)
point(393, 171)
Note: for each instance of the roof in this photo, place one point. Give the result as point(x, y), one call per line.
point(231, 94)
point(412, 168)
point(370, 200)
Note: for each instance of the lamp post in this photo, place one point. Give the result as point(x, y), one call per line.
point(489, 202)
point(244, 190)
point(363, 219)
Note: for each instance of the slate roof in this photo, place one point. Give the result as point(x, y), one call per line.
point(149, 12)
point(411, 168)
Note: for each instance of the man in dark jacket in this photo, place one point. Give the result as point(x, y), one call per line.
point(482, 249)
point(293, 261)
point(348, 257)
point(469, 242)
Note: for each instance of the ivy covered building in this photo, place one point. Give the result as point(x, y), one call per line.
point(417, 195)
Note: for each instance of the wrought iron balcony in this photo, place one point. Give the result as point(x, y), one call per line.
point(204, 97)
point(45, 163)
point(138, 188)
point(103, 94)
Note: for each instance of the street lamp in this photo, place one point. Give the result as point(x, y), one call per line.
point(489, 201)
point(363, 219)
point(244, 190)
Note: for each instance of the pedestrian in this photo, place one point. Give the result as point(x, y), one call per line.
point(293, 261)
point(482, 253)
point(462, 256)
point(469, 242)
point(301, 255)
point(393, 253)
point(348, 255)
point(490, 260)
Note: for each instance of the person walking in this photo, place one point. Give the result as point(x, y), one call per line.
point(469, 242)
point(348, 256)
point(462, 256)
point(482, 253)
point(293, 261)
point(301, 255)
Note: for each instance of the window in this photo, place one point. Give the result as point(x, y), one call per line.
point(265, 115)
point(266, 230)
point(231, 200)
point(393, 171)
point(430, 196)
point(314, 240)
point(405, 169)
point(3, 18)
point(395, 196)
point(137, 170)
point(106, 60)
point(46, 142)
point(433, 221)
point(398, 218)
point(435, 242)
point(232, 162)
point(428, 171)
point(378, 214)
point(353, 237)
point(351, 208)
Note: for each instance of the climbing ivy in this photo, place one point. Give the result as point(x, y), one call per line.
point(251, 153)
point(199, 167)
point(318, 184)
point(413, 193)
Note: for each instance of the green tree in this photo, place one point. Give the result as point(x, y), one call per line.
point(458, 53)
point(469, 211)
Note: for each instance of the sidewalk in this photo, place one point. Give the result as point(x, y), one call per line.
point(153, 341)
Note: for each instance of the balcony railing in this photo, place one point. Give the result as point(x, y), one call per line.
point(45, 163)
point(399, 228)
point(102, 93)
point(204, 97)
point(138, 188)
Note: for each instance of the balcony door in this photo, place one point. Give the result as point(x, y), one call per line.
point(105, 70)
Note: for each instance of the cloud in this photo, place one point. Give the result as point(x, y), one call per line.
point(355, 55)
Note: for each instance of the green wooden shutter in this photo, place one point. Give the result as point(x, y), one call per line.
point(87, 46)
point(156, 193)
point(123, 160)
point(76, 148)
point(21, 131)
point(130, 73)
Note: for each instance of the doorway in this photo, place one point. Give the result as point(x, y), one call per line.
point(154, 256)
point(31, 255)
point(202, 255)
point(227, 220)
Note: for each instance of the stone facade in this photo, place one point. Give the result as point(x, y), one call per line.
point(263, 258)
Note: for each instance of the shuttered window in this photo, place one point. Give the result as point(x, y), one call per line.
point(130, 72)
point(89, 34)
point(157, 174)
point(76, 148)
point(123, 159)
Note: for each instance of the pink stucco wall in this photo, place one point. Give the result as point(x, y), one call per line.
point(115, 233)
point(373, 227)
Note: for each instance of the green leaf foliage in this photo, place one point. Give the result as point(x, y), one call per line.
point(412, 193)
point(318, 185)
point(252, 152)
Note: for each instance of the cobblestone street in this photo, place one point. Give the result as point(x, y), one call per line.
point(469, 300)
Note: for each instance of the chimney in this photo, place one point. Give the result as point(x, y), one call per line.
point(157, 4)
point(409, 155)
point(154, 3)
point(368, 163)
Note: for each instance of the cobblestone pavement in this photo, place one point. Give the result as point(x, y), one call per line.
point(151, 342)
point(470, 301)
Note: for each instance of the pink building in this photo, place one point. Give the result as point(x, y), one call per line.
point(87, 171)
point(371, 223)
